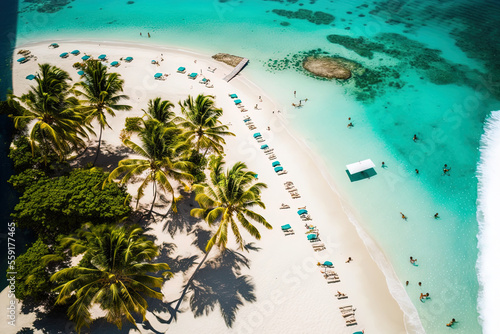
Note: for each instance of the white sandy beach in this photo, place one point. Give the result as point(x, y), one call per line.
point(292, 295)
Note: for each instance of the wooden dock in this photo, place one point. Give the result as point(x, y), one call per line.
point(236, 70)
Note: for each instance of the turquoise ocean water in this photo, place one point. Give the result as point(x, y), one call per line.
point(422, 67)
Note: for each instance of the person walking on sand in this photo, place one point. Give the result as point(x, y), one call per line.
point(348, 260)
point(412, 260)
point(403, 216)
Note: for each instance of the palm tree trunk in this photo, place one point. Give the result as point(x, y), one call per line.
point(154, 198)
point(98, 146)
point(173, 315)
point(205, 152)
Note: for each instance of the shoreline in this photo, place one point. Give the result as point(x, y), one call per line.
point(289, 140)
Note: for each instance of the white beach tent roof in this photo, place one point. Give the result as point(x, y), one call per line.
point(360, 166)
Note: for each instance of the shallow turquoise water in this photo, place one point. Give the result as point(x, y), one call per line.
point(443, 99)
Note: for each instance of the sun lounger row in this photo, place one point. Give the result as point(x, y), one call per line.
point(348, 313)
point(291, 189)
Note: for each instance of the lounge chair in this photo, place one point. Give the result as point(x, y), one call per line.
point(243, 110)
point(283, 172)
point(251, 127)
point(192, 75)
point(347, 309)
point(75, 52)
point(296, 196)
point(318, 246)
point(209, 85)
point(288, 183)
point(341, 296)
point(129, 59)
point(284, 206)
point(351, 322)
point(332, 280)
point(272, 157)
point(209, 69)
point(64, 55)
point(115, 64)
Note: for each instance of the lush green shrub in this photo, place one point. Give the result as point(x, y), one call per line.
point(32, 278)
point(60, 205)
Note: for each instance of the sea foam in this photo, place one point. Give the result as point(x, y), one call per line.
point(488, 216)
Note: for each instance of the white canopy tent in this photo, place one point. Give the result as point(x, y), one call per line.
point(360, 166)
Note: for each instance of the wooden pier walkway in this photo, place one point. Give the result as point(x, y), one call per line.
point(236, 70)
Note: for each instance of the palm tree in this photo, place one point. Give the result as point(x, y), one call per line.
point(161, 149)
point(160, 110)
point(225, 202)
point(202, 124)
point(101, 92)
point(59, 125)
point(114, 273)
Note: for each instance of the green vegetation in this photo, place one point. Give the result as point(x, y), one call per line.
point(115, 274)
point(202, 125)
point(225, 201)
point(60, 205)
point(102, 93)
point(57, 198)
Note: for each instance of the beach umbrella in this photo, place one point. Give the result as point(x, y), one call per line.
point(129, 59)
point(276, 163)
point(114, 63)
point(263, 147)
point(20, 60)
point(64, 54)
point(54, 45)
point(311, 236)
point(302, 212)
point(286, 227)
point(181, 69)
point(102, 57)
point(255, 135)
point(30, 77)
point(80, 73)
point(327, 264)
point(158, 75)
point(237, 101)
point(278, 169)
point(86, 57)
point(193, 75)
point(75, 52)
point(233, 96)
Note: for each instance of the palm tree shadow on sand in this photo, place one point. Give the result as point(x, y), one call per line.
point(108, 159)
point(181, 220)
point(220, 283)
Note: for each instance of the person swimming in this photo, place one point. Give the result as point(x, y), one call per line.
point(451, 322)
point(403, 216)
point(412, 260)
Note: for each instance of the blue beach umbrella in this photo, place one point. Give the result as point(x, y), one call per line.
point(278, 169)
point(80, 73)
point(54, 45)
point(286, 227)
point(327, 264)
point(75, 52)
point(193, 75)
point(181, 69)
point(302, 212)
point(233, 96)
point(311, 236)
point(86, 57)
point(237, 101)
point(102, 57)
point(64, 54)
point(114, 63)
point(255, 135)
point(158, 75)
point(276, 163)
point(263, 147)
point(129, 59)
point(30, 77)
point(20, 60)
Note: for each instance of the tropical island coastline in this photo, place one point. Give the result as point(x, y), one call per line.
point(280, 256)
